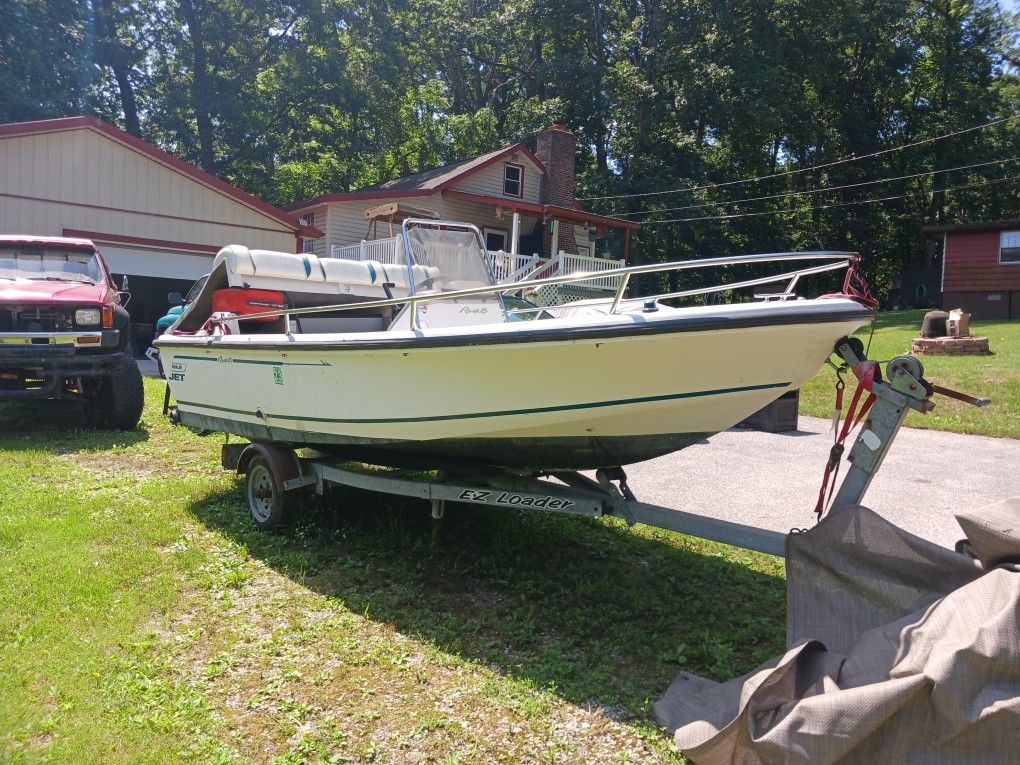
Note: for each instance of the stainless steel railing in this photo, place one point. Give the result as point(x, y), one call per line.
point(838, 260)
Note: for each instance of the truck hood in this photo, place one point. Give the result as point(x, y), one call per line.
point(29, 291)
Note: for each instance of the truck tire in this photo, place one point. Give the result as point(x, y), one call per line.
point(116, 402)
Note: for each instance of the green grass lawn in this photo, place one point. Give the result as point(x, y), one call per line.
point(996, 376)
point(143, 619)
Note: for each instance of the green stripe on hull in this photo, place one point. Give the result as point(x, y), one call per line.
point(319, 363)
point(503, 412)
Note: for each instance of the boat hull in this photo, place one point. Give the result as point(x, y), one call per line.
point(565, 394)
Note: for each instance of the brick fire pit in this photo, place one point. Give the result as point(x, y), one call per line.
point(950, 346)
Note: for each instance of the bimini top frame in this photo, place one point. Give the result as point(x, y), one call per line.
point(836, 260)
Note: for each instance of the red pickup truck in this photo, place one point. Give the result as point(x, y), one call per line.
point(64, 330)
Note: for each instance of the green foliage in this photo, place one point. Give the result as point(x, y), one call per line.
point(44, 59)
point(291, 100)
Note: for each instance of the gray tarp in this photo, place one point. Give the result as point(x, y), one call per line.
point(900, 651)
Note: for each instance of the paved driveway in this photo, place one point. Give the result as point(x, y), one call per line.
point(771, 480)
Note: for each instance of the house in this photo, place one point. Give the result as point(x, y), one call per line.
point(981, 267)
point(522, 201)
point(157, 219)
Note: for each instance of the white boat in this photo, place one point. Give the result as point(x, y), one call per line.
point(430, 363)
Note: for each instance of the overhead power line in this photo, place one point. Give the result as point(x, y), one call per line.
point(826, 207)
point(822, 189)
point(851, 158)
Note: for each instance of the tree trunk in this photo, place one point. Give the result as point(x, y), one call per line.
point(114, 55)
point(127, 99)
point(647, 59)
point(200, 95)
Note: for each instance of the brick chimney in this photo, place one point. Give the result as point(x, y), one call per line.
point(555, 149)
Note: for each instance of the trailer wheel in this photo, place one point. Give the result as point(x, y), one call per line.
point(269, 504)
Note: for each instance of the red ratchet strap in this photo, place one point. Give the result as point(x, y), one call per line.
point(856, 287)
point(860, 292)
point(865, 372)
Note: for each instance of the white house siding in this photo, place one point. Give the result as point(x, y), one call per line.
point(83, 180)
point(489, 181)
point(320, 246)
point(482, 215)
point(346, 222)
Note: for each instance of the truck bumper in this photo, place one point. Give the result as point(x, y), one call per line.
point(38, 370)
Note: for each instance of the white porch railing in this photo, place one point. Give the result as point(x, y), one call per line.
point(511, 267)
point(566, 263)
point(380, 250)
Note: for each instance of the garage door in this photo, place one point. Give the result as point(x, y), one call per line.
point(148, 261)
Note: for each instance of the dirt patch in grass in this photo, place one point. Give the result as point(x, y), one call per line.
point(298, 676)
point(113, 464)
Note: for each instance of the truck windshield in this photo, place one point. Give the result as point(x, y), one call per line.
point(47, 263)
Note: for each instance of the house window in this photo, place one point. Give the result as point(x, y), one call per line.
point(308, 219)
point(1009, 247)
point(513, 180)
point(496, 239)
point(307, 245)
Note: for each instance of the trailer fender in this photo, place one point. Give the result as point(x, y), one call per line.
point(282, 460)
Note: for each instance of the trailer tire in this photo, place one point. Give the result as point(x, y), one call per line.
point(270, 506)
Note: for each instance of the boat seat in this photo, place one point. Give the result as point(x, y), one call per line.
point(247, 267)
point(365, 273)
point(397, 275)
point(241, 262)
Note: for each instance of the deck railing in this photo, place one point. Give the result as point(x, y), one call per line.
point(566, 263)
point(509, 267)
point(389, 251)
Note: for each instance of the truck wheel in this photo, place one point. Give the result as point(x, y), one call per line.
point(116, 402)
point(269, 504)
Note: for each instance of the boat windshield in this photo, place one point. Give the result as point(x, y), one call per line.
point(453, 257)
point(448, 257)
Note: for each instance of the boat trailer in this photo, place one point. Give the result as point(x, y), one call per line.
point(275, 474)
